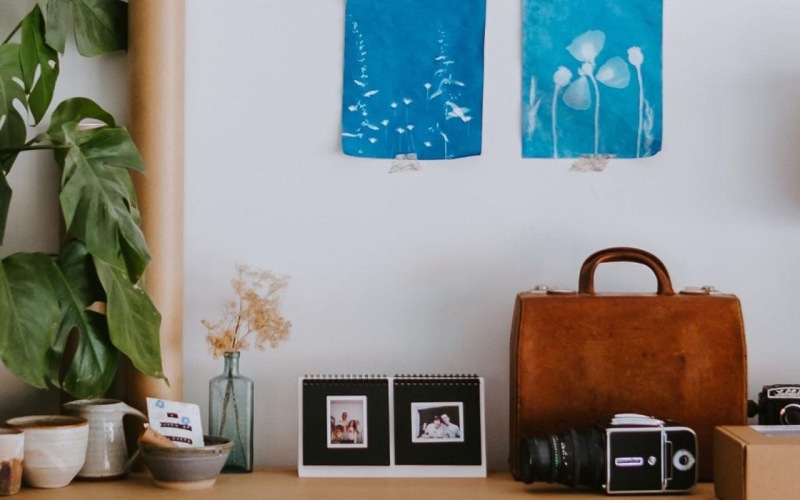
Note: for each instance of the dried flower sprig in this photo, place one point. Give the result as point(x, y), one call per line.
point(253, 313)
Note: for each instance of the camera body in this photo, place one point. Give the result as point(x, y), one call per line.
point(647, 455)
point(627, 453)
point(779, 404)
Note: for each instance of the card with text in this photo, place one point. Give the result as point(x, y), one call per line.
point(179, 422)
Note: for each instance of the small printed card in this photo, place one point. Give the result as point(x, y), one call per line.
point(179, 422)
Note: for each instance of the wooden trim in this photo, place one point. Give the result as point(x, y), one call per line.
point(156, 44)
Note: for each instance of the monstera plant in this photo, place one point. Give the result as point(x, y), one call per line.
point(92, 291)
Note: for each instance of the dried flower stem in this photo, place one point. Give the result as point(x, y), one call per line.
point(255, 310)
point(230, 394)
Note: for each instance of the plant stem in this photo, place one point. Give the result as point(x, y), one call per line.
point(230, 397)
point(7, 152)
point(596, 114)
point(554, 121)
point(641, 110)
point(26, 147)
point(13, 32)
point(239, 443)
point(225, 401)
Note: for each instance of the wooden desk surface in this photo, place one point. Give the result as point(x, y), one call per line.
point(284, 484)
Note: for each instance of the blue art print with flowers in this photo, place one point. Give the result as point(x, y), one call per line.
point(413, 78)
point(591, 78)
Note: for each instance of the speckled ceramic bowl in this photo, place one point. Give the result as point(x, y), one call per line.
point(187, 468)
point(55, 448)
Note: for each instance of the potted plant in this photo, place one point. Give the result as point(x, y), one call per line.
point(93, 290)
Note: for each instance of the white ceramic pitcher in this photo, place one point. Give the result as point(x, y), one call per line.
point(107, 455)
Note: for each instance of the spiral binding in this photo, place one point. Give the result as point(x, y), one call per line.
point(401, 378)
point(436, 379)
point(341, 377)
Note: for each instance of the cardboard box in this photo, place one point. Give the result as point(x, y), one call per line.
point(757, 462)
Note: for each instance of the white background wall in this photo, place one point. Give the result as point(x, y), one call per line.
point(382, 263)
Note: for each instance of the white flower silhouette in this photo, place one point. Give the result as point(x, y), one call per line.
point(587, 46)
point(614, 73)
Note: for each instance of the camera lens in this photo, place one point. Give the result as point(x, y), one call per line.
point(572, 458)
point(790, 414)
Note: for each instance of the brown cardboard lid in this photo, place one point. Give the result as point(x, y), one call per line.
point(771, 435)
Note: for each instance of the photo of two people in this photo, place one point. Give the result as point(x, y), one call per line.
point(437, 422)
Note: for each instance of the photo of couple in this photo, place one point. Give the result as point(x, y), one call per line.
point(437, 422)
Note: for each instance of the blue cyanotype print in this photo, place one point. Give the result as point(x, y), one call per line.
point(413, 78)
point(592, 79)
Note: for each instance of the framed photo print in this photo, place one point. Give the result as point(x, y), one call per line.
point(438, 420)
point(347, 418)
point(344, 422)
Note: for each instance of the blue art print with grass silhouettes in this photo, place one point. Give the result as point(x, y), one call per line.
point(413, 78)
point(591, 81)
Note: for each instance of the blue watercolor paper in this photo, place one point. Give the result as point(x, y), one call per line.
point(591, 78)
point(413, 78)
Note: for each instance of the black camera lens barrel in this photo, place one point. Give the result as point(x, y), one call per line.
point(535, 451)
point(571, 458)
point(790, 414)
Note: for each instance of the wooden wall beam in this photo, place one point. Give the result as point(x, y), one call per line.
point(156, 43)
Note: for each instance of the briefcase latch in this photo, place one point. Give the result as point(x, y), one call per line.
point(551, 290)
point(700, 290)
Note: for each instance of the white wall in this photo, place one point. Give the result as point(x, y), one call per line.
point(381, 263)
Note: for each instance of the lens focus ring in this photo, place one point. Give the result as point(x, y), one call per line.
point(790, 414)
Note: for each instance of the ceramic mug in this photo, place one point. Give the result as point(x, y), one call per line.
point(55, 448)
point(107, 455)
point(12, 449)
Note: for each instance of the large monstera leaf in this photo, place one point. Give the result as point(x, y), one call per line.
point(90, 371)
point(39, 64)
point(31, 316)
point(100, 25)
point(97, 195)
point(12, 123)
point(45, 304)
point(133, 320)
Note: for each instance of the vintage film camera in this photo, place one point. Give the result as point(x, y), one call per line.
point(628, 453)
point(778, 404)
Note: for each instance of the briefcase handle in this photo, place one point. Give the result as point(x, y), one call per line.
point(624, 254)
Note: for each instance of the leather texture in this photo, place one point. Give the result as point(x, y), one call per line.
point(582, 356)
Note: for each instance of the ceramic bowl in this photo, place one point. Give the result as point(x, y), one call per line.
point(187, 468)
point(55, 448)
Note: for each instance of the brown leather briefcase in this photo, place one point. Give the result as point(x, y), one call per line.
point(577, 357)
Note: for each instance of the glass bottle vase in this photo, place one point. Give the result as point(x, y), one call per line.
point(230, 413)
